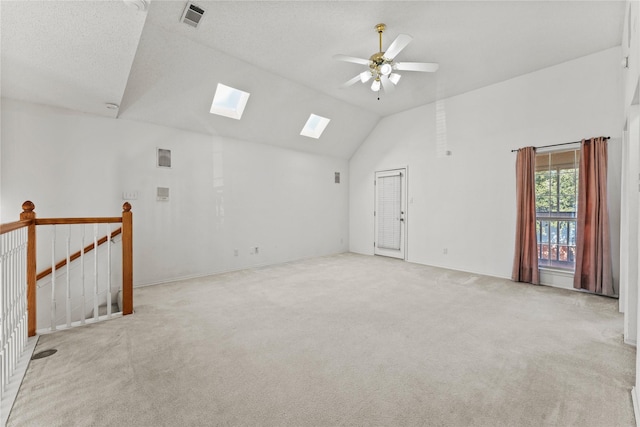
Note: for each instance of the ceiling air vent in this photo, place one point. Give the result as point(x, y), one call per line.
point(192, 14)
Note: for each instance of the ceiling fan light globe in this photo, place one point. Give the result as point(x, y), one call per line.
point(395, 78)
point(385, 69)
point(375, 86)
point(365, 76)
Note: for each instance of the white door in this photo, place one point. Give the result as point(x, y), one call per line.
point(390, 213)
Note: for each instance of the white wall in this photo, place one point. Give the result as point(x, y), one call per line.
point(629, 227)
point(630, 49)
point(225, 194)
point(630, 249)
point(465, 202)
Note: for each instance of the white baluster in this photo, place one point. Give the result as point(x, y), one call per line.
point(82, 315)
point(68, 276)
point(5, 312)
point(20, 287)
point(23, 287)
point(96, 308)
point(12, 314)
point(108, 271)
point(3, 303)
point(53, 280)
point(12, 286)
point(16, 277)
point(8, 320)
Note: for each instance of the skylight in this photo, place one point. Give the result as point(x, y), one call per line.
point(229, 102)
point(315, 126)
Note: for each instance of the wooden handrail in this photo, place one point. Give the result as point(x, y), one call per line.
point(76, 255)
point(67, 221)
point(28, 219)
point(11, 226)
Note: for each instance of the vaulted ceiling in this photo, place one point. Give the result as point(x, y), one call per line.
point(83, 54)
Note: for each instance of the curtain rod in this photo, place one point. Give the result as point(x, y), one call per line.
point(564, 143)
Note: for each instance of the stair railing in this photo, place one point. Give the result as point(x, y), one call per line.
point(13, 297)
point(18, 277)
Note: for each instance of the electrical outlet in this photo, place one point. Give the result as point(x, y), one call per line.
point(256, 250)
point(235, 252)
point(445, 251)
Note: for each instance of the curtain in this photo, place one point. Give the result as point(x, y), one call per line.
point(525, 262)
point(593, 247)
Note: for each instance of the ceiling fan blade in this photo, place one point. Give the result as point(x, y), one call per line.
point(350, 82)
point(346, 58)
point(398, 44)
point(387, 84)
point(427, 67)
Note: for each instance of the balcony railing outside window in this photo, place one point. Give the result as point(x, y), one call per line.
point(556, 242)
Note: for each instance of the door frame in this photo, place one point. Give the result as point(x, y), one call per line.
point(404, 206)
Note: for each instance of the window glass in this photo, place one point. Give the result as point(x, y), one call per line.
point(556, 208)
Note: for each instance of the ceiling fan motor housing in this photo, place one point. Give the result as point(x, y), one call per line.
point(377, 59)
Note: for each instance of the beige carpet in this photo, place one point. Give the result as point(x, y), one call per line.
point(339, 340)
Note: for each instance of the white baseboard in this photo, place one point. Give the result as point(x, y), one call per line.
point(636, 410)
point(477, 273)
point(633, 343)
point(231, 270)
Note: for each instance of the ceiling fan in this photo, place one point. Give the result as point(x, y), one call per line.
point(382, 65)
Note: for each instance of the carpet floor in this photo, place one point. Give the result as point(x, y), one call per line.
point(339, 340)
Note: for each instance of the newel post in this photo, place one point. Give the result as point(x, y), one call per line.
point(127, 259)
point(28, 214)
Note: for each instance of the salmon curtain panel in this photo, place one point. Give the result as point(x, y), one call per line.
point(525, 262)
point(593, 244)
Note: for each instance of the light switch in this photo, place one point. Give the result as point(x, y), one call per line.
point(130, 195)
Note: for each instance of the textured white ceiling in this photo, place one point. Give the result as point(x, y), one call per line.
point(80, 55)
point(70, 54)
point(477, 43)
point(173, 81)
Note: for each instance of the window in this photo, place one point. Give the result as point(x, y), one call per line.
point(229, 102)
point(556, 208)
point(315, 126)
